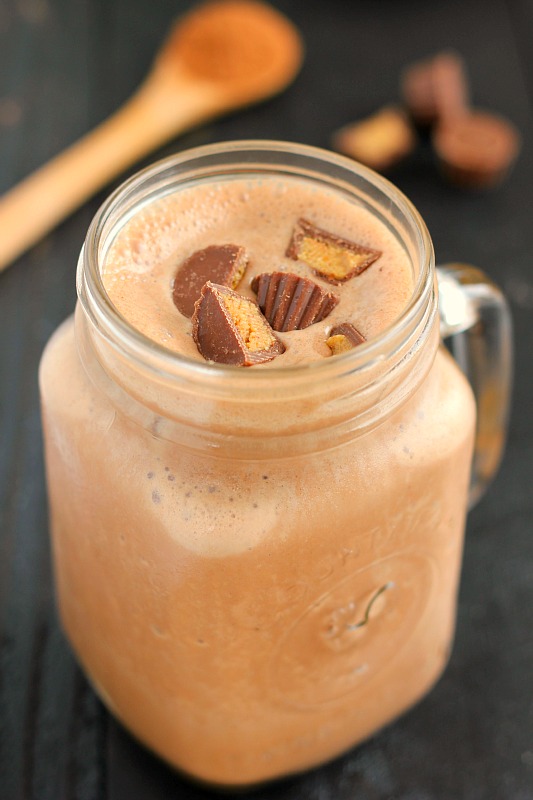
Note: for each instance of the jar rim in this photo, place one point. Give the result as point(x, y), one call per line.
point(122, 335)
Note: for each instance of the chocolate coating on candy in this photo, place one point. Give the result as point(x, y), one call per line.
point(344, 337)
point(436, 90)
point(477, 149)
point(333, 258)
point(223, 264)
point(230, 329)
point(290, 302)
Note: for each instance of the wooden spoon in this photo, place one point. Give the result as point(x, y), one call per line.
point(222, 55)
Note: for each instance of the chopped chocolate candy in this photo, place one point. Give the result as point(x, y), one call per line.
point(477, 149)
point(436, 90)
point(290, 302)
point(344, 337)
point(230, 329)
point(334, 259)
point(379, 141)
point(220, 263)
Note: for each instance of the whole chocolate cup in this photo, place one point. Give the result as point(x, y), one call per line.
point(436, 89)
point(476, 150)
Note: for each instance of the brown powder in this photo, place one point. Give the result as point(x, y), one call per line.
point(232, 40)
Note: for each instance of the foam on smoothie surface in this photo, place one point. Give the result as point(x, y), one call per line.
point(258, 214)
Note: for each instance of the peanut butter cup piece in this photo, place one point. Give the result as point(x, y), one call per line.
point(290, 302)
point(379, 141)
point(477, 149)
point(230, 329)
point(333, 258)
point(436, 89)
point(344, 337)
point(223, 264)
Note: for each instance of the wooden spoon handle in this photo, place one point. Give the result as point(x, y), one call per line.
point(40, 201)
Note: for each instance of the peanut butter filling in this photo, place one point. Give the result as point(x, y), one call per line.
point(329, 259)
point(339, 344)
point(249, 322)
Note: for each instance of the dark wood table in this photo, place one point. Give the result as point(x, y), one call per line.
point(64, 66)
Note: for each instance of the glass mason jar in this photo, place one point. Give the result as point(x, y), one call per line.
point(258, 569)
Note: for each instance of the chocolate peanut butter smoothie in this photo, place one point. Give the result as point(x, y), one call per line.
point(258, 536)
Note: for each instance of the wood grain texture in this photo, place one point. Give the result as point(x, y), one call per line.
point(64, 66)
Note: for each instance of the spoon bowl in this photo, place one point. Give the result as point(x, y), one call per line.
point(222, 55)
point(243, 50)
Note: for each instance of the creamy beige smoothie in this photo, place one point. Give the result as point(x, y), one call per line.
point(251, 610)
point(260, 216)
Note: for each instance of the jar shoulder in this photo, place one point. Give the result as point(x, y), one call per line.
point(64, 384)
point(57, 356)
point(444, 404)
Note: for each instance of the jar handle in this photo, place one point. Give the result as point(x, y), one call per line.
point(475, 323)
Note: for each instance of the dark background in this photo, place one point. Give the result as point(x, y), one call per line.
point(64, 66)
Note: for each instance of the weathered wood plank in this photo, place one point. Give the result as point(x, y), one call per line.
point(65, 65)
